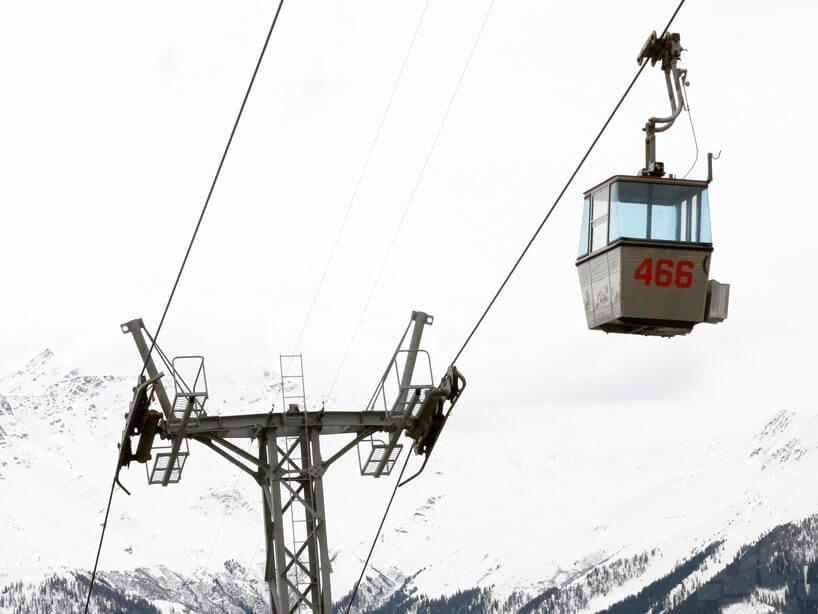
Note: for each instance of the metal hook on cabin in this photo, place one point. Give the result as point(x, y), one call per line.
point(710, 158)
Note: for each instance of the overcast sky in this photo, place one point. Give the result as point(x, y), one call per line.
point(114, 115)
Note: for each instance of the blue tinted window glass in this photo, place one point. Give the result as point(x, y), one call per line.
point(583, 231)
point(664, 222)
point(705, 235)
point(659, 211)
point(667, 202)
point(629, 210)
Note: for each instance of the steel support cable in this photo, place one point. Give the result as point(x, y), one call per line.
point(561, 193)
point(377, 535)
point(377, 279)
point(412, 196)
point(355, 191)
point(362, 174)
point(505, 281)
point(502, 286)
point(182, 267)
point(692, 129)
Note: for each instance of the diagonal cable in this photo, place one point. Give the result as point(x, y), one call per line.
point(361, 177)
point(377, 535)
point(560, 195)
point(182, 268)
point(411, 196)
point(355, 193)
point(692, 129)
point(213, 182)
point(505, 281)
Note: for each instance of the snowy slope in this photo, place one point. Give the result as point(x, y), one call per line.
point(57, 460)
point(521, 507)
point(572, 510)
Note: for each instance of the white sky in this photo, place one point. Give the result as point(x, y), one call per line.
point(113, 117)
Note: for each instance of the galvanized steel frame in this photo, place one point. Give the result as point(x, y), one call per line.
point(286, 479)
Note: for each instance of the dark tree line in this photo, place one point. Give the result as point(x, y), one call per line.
point(58, 595)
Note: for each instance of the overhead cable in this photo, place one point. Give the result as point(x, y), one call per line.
point(411, 196)
point(692, 129)
point(182, 268)
point(502, 286)
point(350, 205)
point(377, 279)
point(561, 193)
point(361, 176)
point(377, 534)
point(354, 196)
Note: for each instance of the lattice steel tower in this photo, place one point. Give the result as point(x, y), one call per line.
point(288, 468)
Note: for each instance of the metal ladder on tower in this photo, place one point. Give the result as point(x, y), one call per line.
point(293, 396)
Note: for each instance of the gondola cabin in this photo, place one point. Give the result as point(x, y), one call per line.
point(644, 257)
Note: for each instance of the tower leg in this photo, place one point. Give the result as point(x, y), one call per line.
point(278, 525)
point(295, 487)
point(323, 545)
point(269, 543)
point(312, 521)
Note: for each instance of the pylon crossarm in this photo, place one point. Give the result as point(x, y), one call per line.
point(358, 438)
point(239, 452)
point(206, 441)
point(247, 426)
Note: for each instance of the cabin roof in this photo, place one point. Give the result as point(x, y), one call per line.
point(698, 183)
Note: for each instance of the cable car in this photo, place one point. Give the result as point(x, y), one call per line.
point(645, 240)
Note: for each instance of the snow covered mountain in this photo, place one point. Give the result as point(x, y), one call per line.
point(576, 512)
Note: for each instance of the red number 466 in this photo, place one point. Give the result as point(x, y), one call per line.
point(664, 276)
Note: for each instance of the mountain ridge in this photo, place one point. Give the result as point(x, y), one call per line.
point(449, 535)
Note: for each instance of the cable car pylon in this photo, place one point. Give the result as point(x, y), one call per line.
point(289, 467)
